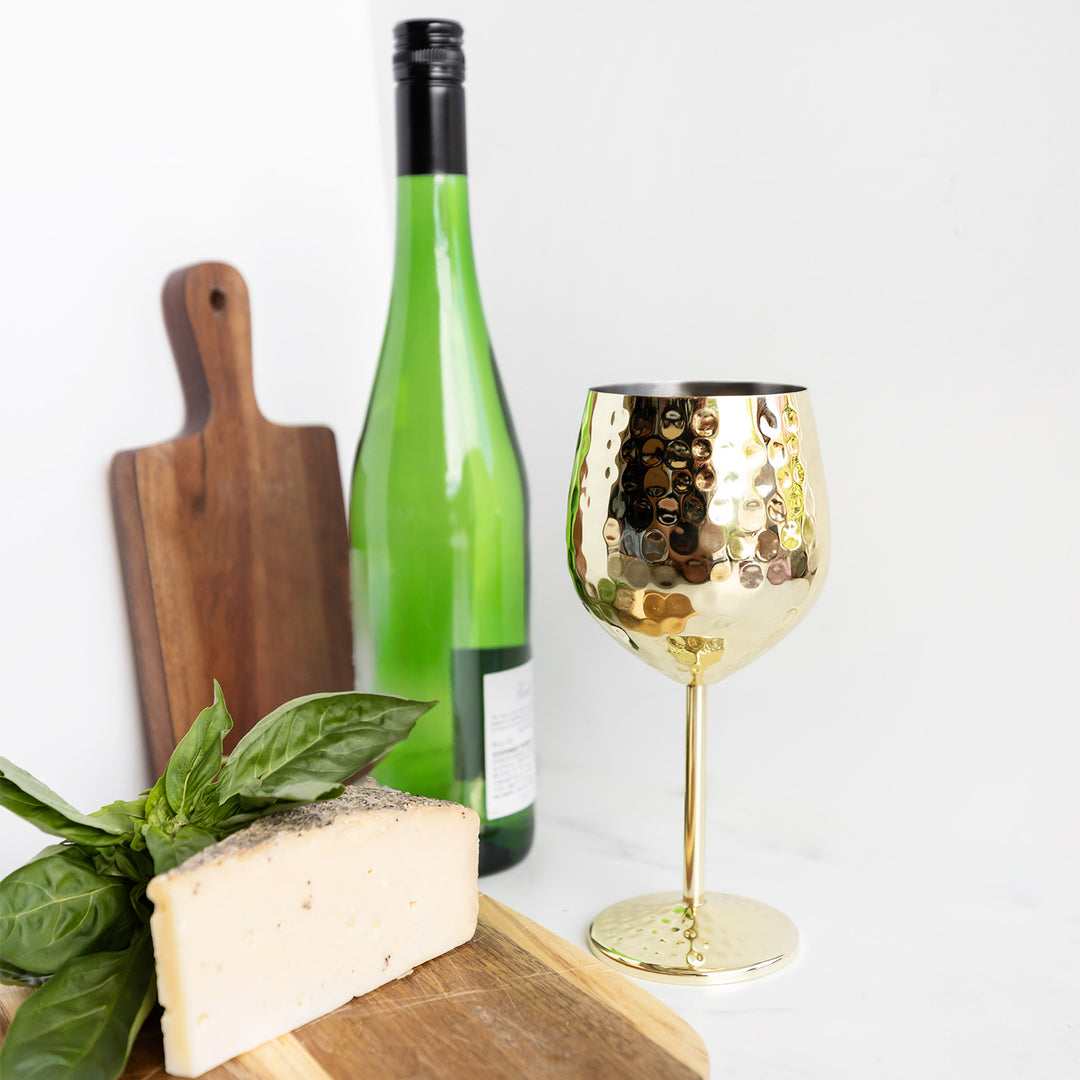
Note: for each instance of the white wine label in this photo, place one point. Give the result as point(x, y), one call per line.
point(509, 754)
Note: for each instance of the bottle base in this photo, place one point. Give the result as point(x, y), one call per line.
point(505, 845)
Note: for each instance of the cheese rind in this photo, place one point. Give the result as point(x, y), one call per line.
point(288, 919)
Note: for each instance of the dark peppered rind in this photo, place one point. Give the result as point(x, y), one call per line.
point(356, 802)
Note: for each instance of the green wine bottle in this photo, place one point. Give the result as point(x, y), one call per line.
point(439, 515)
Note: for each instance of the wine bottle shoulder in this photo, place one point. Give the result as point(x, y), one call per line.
point(438, 380)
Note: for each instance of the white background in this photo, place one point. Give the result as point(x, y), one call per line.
point(881, 201)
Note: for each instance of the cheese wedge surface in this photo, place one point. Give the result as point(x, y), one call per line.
point(290, 918)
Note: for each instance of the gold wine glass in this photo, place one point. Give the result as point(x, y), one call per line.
point(698, 537)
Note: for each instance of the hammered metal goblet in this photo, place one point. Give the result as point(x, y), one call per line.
point(698, 537)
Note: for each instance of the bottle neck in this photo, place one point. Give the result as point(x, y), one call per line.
point(434, 274)
point(430, 128)
point(433, 249)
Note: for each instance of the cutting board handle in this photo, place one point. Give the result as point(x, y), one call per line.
point(208, 319)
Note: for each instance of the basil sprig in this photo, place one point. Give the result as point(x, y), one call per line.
point(74, 921)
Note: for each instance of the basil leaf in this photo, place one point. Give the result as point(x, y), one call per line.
point(121, 861)
point(170, 849)
point(28, 797)
point(137, 842)
point(324, 737)
point(121, 815)
point(52, 849)
point(157, 811)
point(13, 975)
point(240, 811)
point(56, 908)
point(82, 1022)
point(198, 758)
point(295, 793)
point(123, 932)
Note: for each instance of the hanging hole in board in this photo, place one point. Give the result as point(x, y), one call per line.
point(217, 299)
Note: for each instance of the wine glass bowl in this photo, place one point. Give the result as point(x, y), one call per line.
point(697, 537)
point(698, 530)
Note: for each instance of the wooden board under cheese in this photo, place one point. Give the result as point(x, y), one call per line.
point(516, 1001)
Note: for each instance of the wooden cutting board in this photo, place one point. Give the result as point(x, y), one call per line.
point(515, 1002)
point(232, 536)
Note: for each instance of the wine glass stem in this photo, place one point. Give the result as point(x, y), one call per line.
point(694, 806)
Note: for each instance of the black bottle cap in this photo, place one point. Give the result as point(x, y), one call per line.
point(428, 51)
point(429, 68)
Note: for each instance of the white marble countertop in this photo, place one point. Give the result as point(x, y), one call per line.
point(895, 977)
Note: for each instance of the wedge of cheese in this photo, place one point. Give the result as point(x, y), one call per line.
point(305, 909)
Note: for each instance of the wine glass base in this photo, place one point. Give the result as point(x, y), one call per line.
point(726, 939)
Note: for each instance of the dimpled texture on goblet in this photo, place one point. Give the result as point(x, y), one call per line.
point(698, 526)
point(726, 938)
